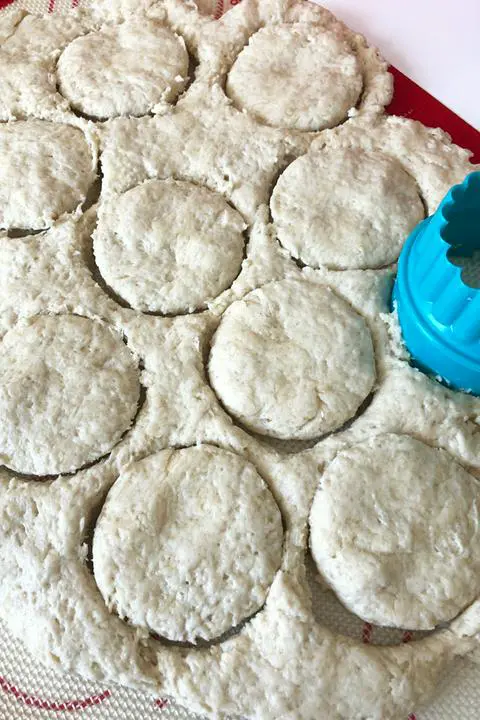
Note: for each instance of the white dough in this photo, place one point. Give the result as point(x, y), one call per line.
point(68, 391)
point(427, 154)
point(123, 70)
point(308, 334)
point(188, 543)
point(292, 360)
point(27, 65)
point(212, 146)
point(169, 246)
point(296, 76)
point(45, 170)
point(394, 529)
point(345, 208)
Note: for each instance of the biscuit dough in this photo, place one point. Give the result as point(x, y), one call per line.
point(427, 154)
point(169, 246)
point(40, 37)
point(296, 76)
point(345, 208)
point(46, 170)
point(209, 145)
point(68, 391)
point(188, 543)
point(125, 70)
point(293, 667)
point(394, 529)
point(292, 360)
point(27, 64)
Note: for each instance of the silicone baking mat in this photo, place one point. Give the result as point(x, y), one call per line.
point(28, 690)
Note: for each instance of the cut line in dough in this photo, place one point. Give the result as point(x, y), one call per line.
point(126, 69)
point(292, 665)
point(188, 543)
point(46, 170)
point(292, 360)
point(297, 76)
point(168, 246)
point(69, 390)
point(395, 531)
point(345, 208)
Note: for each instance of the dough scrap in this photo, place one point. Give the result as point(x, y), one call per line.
point(169, 246)
point(292, 360)
point(212, 146)
point(46, 170)
point(69, 389)
point(345, 208)
point(296, 76)
point(394, 529)
point(188, 543)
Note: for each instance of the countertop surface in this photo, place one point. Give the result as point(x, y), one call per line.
point(434, 42)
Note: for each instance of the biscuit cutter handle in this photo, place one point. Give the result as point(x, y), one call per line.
point(439, 313)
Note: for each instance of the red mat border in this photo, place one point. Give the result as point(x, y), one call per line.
point(412, 101)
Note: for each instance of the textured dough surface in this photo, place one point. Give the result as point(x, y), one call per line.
point(296, 76)
point(345, 208)
point(125, 70)
point(215, 146)
point(188, 543)
point(394, 529)
point(68, 391)
point(46, 170)
point(169, 246)
point(426, 154)
point(27, 65)
point(292, 360)
point(40, 37)
point(25, 85)
point(293, 666)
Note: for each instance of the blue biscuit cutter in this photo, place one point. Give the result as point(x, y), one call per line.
point(439, 313)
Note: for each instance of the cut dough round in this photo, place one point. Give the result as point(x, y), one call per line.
point(69, 389)
point(345, 208)
point(125, 69)
point(169, 246)
point(394, 530)
point(296, 76)
point(292, 360)
point(188, 543)
point(46, 169)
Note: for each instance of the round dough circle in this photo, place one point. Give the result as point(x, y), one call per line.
point(169, 246)
point(46, 170)
point(345, 208)
point(292, 360)
point(125, 69)
point(296, 76)
point(188, 543)
point(394, 531)
point(69, 389)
